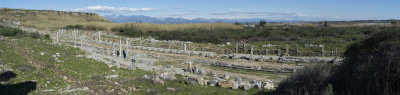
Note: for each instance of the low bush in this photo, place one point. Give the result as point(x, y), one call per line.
point(74, 26)
point(8, 31)
point(34, 35)
point(47, 36)
point(95, 28)
point(311, 80)
point(370, 67)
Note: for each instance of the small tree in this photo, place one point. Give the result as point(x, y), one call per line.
point(47, 36)
point(328, 90)
point(237, 23)
point(393, 21)
point(262, 23)
point(35, 35)
point(325, 23)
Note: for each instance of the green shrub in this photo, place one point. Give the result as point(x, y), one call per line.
point(95, 28)
point(78, 26)
point(311, 80)
point(371, 67)
point(8, 31)
point(34, 35)
point(47, 36)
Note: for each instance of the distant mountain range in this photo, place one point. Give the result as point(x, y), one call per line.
point(148, 19)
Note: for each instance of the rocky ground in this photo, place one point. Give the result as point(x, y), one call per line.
point(91, 68)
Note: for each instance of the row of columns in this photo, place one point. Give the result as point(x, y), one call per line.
point(278, 51)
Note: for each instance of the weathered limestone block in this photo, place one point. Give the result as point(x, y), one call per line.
point(235, 85)
point(213, 82)
point(268, 85)
point(226, 84)
point(192, 81)
point(226, 76)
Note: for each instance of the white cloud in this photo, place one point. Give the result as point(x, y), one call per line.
point(178, 8)
point(192, 10)
point(108, 9)
point(177, 14)
point(243, 14)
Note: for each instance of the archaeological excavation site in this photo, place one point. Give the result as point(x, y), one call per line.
point(185, 48)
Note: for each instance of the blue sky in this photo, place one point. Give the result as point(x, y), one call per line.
point(308, 10)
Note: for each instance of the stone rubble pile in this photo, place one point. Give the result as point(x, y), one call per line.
point(224, 81)
point(250, 68)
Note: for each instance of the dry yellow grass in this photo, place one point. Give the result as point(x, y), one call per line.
point(145, 27)
point(56, 19)
point(48, 18)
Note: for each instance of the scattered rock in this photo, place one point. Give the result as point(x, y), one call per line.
point(235, 85)
point(65, 78)
point(192, 81)
point(226, 76)
point(111, 76)
point(167, 76)
point(170, 67)
point(226, 84)
point(171, 89)
point(239, 79)
point(213, 74)
point(202, 71)
point(157, 80)
point(146, 77)
point(268, 85)
point(213, 82)
point(259, 85)
point(246, 86)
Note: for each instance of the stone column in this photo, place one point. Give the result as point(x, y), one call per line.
point(184, 47)
point(120, 47)
point(251, 52)
point(113, 48)
point(188, 46)
point(81, 42)
point(287, 49)
point(336, 52)
point(152, 44)
point(297, 50)
point(108, 51)
point(99, 36)
point(266, 52)
point(244, 48)
point(190, 65)
point(169, 45)
point(236, 48)
point(75, 34)
point(58, 32)
point(127, 46)
point(322, 51)
point(278, 52)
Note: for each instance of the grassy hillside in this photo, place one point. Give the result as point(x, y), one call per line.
point(49, 18)
point(70, 74)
